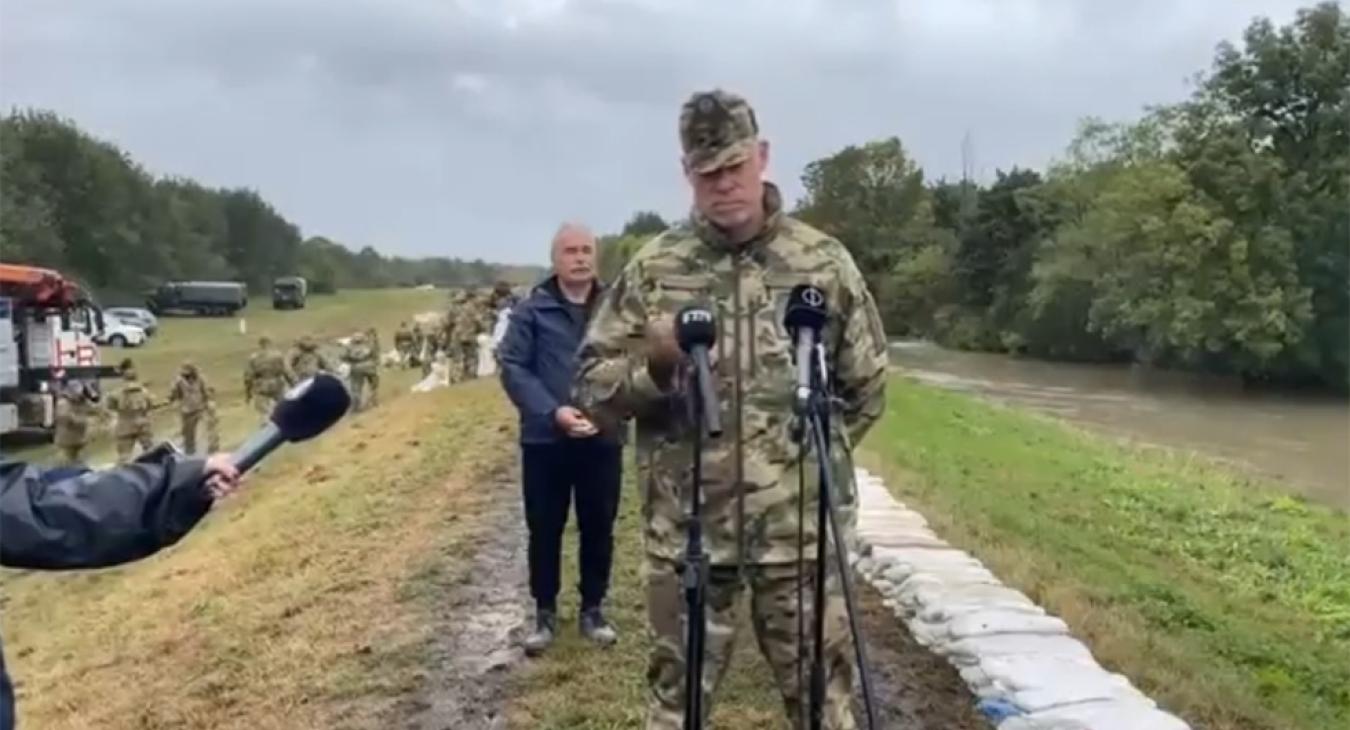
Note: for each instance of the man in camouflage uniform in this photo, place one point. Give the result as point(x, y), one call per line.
point(360, 356)
point(419, 341)
point(374, 339)
point(468, 323)
point(266, 377)
point(741, 255)
point(195, 398)
point(132, 405)
point(307, 360)
point(74, 412)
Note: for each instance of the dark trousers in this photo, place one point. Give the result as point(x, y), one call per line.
point(591, 470)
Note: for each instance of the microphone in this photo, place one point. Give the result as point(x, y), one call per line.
point(805, 319)
point(696, 331)
point(306, 411)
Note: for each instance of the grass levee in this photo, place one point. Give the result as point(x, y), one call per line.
point(1223, 598)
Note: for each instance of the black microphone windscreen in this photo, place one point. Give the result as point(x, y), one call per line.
point(806, 308)
point(694, 325)
point(311, 407)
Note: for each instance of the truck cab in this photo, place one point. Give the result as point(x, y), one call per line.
point(47, 330)
point(289, 292)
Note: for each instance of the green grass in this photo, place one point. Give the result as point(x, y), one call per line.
point(1223, 598)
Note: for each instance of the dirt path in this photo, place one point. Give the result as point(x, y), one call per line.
point(479, 618)
point(914, 688)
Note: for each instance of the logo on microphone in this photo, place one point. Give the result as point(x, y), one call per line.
point(700, 316)
point(813, 296)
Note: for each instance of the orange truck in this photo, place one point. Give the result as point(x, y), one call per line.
point(47, 328)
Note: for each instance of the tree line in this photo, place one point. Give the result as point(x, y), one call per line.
point(1212, 234)
point(82, 206)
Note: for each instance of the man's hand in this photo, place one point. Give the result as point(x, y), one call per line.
point(574, 423)
point(662, 350)
point(222, 478)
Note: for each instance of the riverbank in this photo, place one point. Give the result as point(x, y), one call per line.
point(1226, 600)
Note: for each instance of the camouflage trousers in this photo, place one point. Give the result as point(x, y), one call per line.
point(126, 441)
point(361, 398)
point(773, 608)
point(263, 403)
point(70, 453)
point(467, 358)
point(188, 429)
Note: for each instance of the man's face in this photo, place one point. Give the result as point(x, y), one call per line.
point(574, 257)
point(733, 196)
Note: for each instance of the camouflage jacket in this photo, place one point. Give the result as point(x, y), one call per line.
point(467, 323)
point(266, 373)
point(361, 355)
point(192, 396)
point(306, 363)
point(132, 404)
point(750, 474)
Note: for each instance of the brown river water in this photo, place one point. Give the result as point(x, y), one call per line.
point(1299, 441)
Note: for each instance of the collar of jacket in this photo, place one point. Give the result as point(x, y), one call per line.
point(552, 291)
point(773, 220)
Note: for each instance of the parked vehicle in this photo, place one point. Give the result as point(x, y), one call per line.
point(134, 316)
point(289, 292)
point(47, 329)
point(117, 333)
point(211, 298)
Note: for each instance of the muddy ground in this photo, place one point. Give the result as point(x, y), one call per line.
point(482, 616)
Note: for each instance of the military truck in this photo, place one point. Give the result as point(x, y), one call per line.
point(289, 292)
point(208, 298)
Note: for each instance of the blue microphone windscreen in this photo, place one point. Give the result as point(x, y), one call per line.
point(311, 407)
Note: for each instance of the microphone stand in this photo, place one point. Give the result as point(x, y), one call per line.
point(814, 407)
point(694, 566)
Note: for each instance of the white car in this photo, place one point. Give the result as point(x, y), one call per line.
point(120, 334)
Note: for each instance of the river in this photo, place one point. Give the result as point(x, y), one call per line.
point(1299, 441)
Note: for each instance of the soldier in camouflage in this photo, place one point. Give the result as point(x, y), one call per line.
point(741, 255)
point(307, 360)
point(75, 412)
point(132, 405)
point(468, 324)
point(195, 398)
point(360, 357)
point(266, 377)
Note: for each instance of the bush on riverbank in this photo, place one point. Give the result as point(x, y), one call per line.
point(1225, 600)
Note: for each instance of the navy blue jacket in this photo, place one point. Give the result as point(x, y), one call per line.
point(538, 357)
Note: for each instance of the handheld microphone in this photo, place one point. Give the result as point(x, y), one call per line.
point(805, 320)
point(306, 411)
point(696, 331)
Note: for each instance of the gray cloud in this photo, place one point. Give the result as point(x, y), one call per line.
point(471, 128)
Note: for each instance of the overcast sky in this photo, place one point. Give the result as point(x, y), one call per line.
point(470, 128)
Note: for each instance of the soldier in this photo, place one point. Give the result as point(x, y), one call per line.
point(132, 405)
point(468, 321)
point(195, 398)
point(360, 356)
point(307, 360)
point(266, 377)
point(741, 254)
point(74, 412)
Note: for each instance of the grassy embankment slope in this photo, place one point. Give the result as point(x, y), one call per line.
point(1224, 599)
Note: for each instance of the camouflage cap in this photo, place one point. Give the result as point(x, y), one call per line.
point(717, 129)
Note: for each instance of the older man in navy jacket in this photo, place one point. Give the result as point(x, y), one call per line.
point(563, 454)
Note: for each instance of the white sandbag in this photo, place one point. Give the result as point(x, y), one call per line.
point(1088, 687)
point(939, 603)
point(976, 648)
point(1015, 673)
point(1098, 716)
point(950, 576)
point(992, 621)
